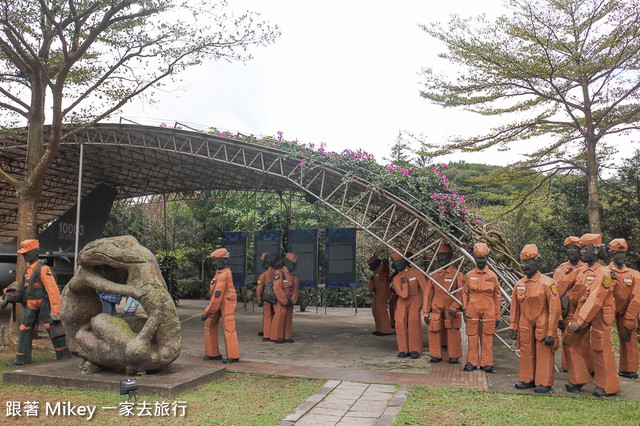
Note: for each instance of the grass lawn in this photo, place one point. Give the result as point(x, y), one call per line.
point(442, 405)
point(236, 399)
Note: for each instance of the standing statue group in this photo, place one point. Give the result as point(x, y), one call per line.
point(583, 299)
point(277, 290)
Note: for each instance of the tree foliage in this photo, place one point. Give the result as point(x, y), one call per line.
point(566, 72)
point(558, 212)
point(81, 60)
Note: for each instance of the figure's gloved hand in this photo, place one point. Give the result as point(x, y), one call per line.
point(260, 304)
point(464, 314)
point(561, 325)
point(203, 317)
point(513, 334)
point(564, 304)
point(217, 293)
point(427, 319)
point(574, 328)
point(497, 322)
point(289, 302)
point(452, 313)
point(626, 336)
point(548, 341)
point(55, 317)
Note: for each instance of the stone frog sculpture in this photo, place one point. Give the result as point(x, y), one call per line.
point(120, 265)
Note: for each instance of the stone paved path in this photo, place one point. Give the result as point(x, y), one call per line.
point(350, 403)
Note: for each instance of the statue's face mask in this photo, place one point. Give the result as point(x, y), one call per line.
point(399, 265)
point(220, 263)
point(573, 253)
point(291, 266)
point(31, 256)
point(374, 265)
point(529, 267)
point(481, 262)
point(444, 258)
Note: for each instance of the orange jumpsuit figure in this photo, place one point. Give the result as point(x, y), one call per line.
point(287, 288)
point(594, 315)
point(409, 284)
point(565, 278)
point(441, 310)
point(626, 294)
point(40, 291)
point(222, 305)
point(266, 279)
point(379, 286)
point(481, 301)
point(535, 312)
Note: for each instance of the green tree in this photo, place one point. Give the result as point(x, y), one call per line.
point(81, 60)
point(565, 71)
point(400, 151)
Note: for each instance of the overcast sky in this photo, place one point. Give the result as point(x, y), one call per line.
point(345, 73)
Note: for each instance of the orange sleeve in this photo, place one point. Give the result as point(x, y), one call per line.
point(427, 296)
point(46, 276)
point(514, 312)
point(465, 293)
point(296, 289)
point(553, 300)
point(497, 297)
point(596, 296)
point(260, 287)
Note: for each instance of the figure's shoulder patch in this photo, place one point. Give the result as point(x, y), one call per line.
point(606, 283)
point(554, 289)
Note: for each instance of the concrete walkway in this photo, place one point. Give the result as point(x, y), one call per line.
point(350, 403)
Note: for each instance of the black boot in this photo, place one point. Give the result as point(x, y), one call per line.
point(402, 355)
point(454, 361)
point(570, 387)
point(487, 368)
point(15, 362)
point(628, 375)
point(524, 385)
point(600, 393)
point(280, 341)
point(266, 339)
point(230, 360)
point(289, 340)
point(212, 358)
point(435, 360)
point(260, 333)
point(542, 389)
point(469, 367)
point(377, 333)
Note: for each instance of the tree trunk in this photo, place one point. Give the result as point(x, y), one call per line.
point(28, 193)
point(593, 204)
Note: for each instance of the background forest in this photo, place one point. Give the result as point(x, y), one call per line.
point(527, 209)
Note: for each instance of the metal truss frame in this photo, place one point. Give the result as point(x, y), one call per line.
point(145, 162)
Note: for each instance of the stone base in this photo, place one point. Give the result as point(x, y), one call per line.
point(174, 380)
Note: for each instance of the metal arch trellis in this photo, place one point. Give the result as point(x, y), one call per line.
point(145, 162)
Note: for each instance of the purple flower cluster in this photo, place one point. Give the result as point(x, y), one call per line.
point(429, 185)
